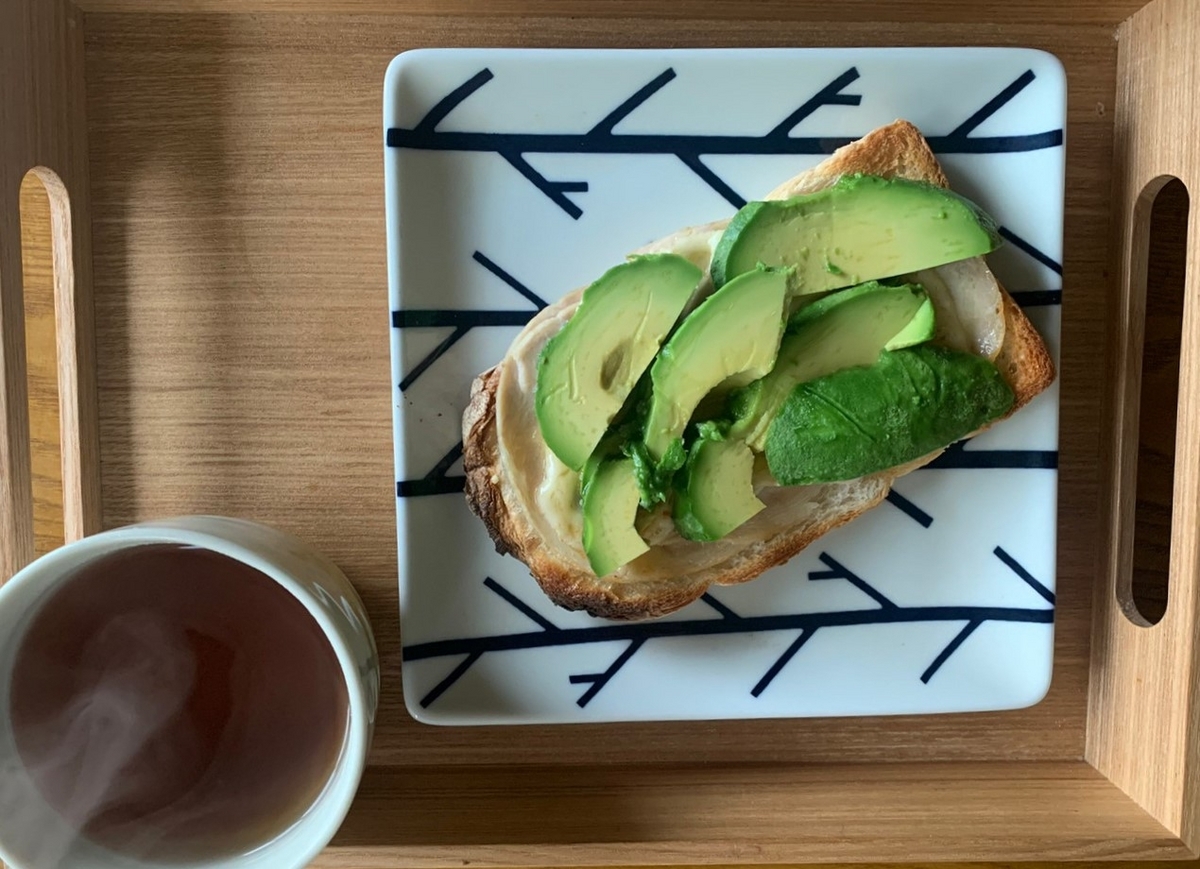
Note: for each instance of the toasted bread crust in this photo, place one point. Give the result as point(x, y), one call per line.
point(1024, 359)
point(481, 460)
point(895, 150)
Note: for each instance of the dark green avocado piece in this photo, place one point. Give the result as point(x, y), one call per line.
point(861, 420)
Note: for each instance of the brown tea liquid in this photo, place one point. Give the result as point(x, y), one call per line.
point(174, 703)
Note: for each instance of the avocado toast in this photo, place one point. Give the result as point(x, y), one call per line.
point(528, 493)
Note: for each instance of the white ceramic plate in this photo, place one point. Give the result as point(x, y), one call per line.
point(516, 176)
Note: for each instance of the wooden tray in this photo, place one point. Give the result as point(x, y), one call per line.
point(216, 173)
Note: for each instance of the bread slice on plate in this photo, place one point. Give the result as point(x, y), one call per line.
point(529, 500)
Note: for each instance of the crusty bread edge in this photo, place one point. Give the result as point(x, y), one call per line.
point(898, 149)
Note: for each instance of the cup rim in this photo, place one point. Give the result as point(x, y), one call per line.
point(342, 783)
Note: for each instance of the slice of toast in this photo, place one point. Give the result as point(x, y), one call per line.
point(529, 501)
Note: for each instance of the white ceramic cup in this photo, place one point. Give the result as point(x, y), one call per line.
point(27, 822)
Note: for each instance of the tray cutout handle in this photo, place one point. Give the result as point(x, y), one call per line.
point(1158, 269)
point(42, 66)
point(45, 247)
point(1144, 693)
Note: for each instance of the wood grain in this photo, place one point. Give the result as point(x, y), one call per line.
point(703, 814)
point(43, 130)
point(16, 499)
point(1145, 680)
point(981, 14)
point(41, 357)
point(239, 258)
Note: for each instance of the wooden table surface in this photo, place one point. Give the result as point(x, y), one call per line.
point(1157, 431)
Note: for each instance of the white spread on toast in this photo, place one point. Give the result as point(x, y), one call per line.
point(968, 307)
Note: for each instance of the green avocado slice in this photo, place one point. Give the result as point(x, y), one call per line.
point(610, 503)
point(860, 229)
point(920, 328)
point(861, 420)
point(733, 336)
point(717, 492)
point(842, 330)
point(589, 368)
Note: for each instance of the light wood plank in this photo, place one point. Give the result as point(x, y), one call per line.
point(41, 356)
point(16, 497)
point(1145, 692)
point(43, 129)
point(734, 814)
point(981, 14)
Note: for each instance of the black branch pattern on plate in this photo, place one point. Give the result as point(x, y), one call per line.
point(728, 622)
point(463, 321)
point(438, 481)
point(690, 149)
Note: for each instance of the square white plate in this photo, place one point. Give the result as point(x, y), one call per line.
point(514, 176)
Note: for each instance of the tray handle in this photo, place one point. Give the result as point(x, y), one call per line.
point(41, 63)
point(1144, 699)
